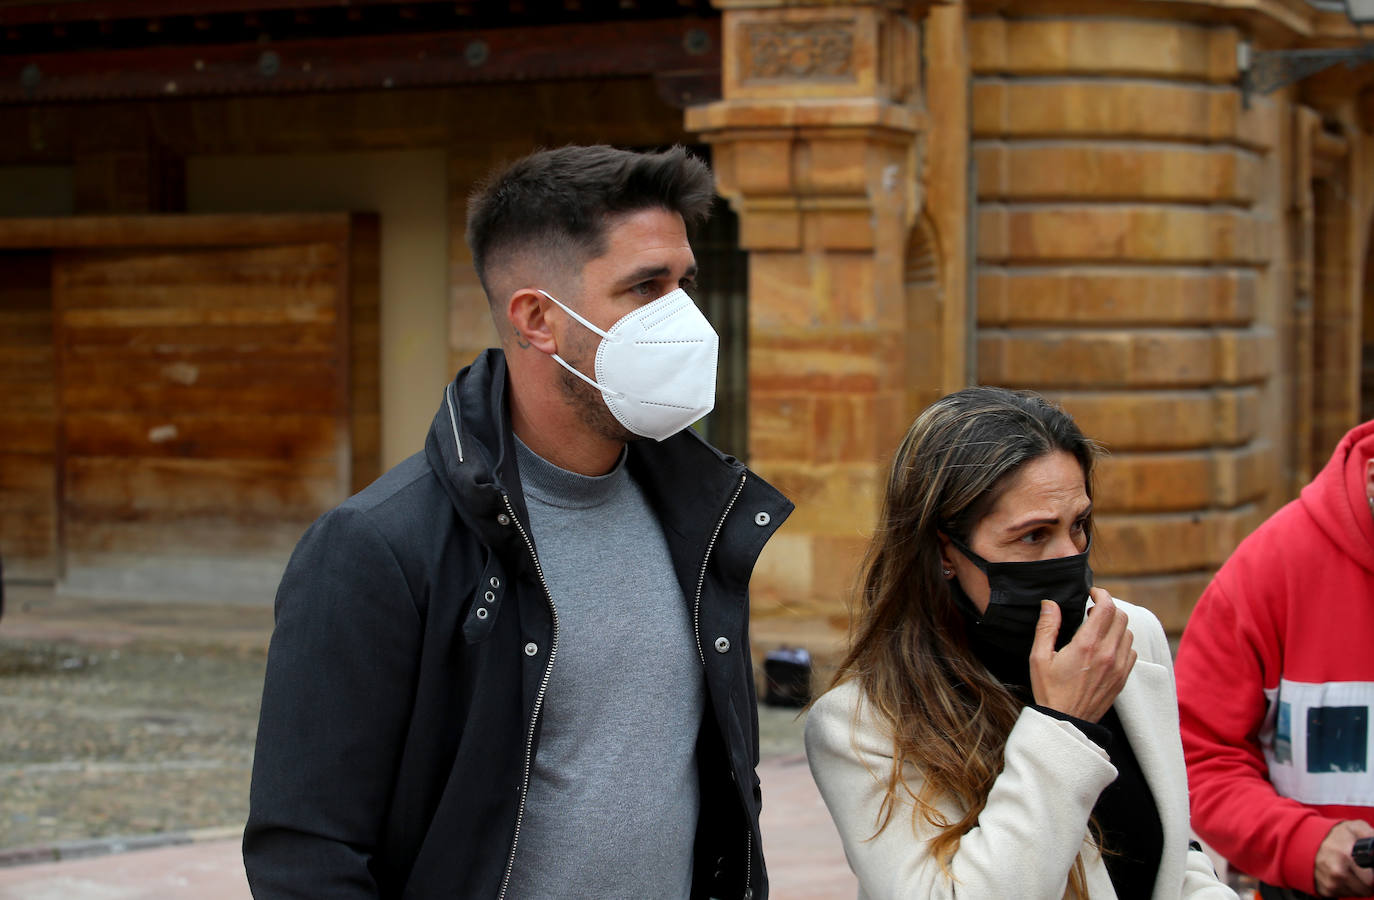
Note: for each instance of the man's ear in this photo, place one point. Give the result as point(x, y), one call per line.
point(525, 311)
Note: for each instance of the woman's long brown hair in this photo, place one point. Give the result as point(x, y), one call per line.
point(909, 652)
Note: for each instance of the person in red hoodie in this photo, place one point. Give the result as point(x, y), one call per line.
point(1275, 679)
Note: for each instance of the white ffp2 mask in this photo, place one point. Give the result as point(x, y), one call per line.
point(656, 366)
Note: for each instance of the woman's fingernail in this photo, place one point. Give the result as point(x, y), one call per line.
point(1044, 607)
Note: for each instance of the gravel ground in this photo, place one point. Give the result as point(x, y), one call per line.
point(101, 741)
point(132, 719)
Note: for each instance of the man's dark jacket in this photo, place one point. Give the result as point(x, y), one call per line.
point(413, 643)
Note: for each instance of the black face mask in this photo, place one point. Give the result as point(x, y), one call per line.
point(1017, 588)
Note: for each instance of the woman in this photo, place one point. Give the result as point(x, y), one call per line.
point(984, 737)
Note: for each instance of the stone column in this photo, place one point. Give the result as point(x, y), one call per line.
point(1127, 208)
point(816, 145)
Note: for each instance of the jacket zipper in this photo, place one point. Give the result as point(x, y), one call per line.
point(748, 865)
point(701, 579)
point(701, 654)
point(538, 700)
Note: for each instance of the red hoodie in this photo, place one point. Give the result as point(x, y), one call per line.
point(1276, 679)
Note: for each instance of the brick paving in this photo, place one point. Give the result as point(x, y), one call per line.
point(805, 861)
point(210, 870)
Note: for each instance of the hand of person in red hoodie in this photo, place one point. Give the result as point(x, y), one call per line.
point(1337, 874)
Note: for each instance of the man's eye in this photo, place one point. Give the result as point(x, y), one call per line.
point(645, 289)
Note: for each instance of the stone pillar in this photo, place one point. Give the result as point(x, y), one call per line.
point(1125, 217)
point(816, 146)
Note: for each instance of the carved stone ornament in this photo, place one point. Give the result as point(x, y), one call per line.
point(799, 51)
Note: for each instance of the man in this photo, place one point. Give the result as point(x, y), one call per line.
point(1275, 684)
point(517, 665)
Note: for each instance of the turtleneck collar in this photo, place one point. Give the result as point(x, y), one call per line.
point(558, 487)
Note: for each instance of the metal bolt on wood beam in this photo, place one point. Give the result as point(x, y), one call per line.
point(269, 64)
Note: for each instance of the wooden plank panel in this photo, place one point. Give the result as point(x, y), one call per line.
point(28, 417)
point(212, 305)
point(39, 12)
point(26, 289)
point(263, 368)
point(308, 392)
point(32, 363)
point(204, 408)
point(29, 433)
point(228, 340)
point(264, 384)
point(22, 328)
point(29, 393)
point(170, 539)
point(627, 48)
point(178, 230)
point(363, 292)
point(28, 516)
point(19, 473)
point(250, 490)
point(203, 436)
point(28, 542)
point(208, 395)
point(291, 265)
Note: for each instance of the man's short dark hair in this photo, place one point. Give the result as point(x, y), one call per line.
point(558, 202)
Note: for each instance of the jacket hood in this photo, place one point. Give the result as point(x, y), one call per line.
point(1336, 498)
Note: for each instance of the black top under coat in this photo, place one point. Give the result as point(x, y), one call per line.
point(1125, 812)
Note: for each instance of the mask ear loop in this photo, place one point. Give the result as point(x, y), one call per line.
point(967, 552)
point(565, 364)
point(588, 325)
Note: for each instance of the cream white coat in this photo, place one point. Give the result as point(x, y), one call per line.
point(1037, 813)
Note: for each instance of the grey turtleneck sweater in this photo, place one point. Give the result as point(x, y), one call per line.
point(613, 798)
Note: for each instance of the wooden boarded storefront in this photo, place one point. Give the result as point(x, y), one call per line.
point(182, 396)
point(28, 418)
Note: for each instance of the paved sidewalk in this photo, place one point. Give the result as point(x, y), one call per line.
point(805, 857)
point(205, 871)
point(805, 860)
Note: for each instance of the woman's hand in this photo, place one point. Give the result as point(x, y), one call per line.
point(1083, 679)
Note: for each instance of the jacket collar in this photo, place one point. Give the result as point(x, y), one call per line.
point(688, 482)
point(472, 451)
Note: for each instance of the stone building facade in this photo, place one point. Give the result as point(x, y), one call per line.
point(1073, 196)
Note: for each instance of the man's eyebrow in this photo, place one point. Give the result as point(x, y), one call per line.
point(651, 273)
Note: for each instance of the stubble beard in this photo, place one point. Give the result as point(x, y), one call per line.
point(588, 401)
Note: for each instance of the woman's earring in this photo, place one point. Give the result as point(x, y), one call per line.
point(947, 572)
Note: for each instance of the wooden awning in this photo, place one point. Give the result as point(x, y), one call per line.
point(144, 49)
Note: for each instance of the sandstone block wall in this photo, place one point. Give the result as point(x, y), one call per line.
point(1122, 246)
